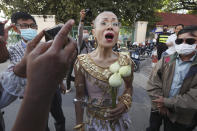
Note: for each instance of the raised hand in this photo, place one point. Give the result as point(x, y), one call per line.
point(50, 63)
point(4, 38)
point(82, 14)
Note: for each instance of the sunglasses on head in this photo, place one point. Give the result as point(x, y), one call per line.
point(189, 41)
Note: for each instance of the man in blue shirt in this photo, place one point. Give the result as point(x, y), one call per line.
point(172, 86)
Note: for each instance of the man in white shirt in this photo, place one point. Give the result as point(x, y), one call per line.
point(171, 41)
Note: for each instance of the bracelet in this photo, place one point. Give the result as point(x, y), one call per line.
point(126, 100)
point(79, 127)
point(125, 97)
point(127, 104)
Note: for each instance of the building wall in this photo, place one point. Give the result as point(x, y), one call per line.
point(44, 23)
point(140, 31)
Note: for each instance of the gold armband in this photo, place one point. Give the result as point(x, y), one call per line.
point(79, 127)
point(127, 104)
point(126, 100)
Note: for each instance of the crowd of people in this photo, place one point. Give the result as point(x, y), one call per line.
point(37, 69)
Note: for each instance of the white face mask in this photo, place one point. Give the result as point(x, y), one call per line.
point(85, 36)
point(185, 49)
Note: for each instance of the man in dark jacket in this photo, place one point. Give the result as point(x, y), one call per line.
point(172, 86)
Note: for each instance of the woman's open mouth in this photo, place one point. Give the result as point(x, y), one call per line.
point(109, 37)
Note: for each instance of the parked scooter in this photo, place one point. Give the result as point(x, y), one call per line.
point(135, 56)
point(148, 52)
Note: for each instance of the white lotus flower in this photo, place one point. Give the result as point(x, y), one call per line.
point(125, 71)
point(115, 80)
point(114, 67)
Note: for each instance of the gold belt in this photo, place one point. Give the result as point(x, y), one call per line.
point(100, 113)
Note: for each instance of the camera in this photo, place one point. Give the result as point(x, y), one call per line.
point(52, 32)
point(88, 12)
point(1, 29)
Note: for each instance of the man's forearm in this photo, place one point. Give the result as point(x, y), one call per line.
point(79, 113)
point(34, 110)
point(80, 36)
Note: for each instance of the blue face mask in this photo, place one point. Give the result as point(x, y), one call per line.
point(28, 34)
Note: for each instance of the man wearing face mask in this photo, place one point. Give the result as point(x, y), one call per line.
point(161, 41)
point(172, 85)
point(13, 80)
point(87, 45)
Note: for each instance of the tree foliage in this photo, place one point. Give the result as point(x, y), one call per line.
point(128, 11)
point(174, 5)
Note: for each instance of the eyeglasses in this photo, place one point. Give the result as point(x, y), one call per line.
point(113, 24)
point(189, 41)
point(25, 26)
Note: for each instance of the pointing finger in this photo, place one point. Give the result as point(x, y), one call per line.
point(61, 38)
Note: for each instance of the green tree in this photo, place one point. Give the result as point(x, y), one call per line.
point(128, 11)
point(193, 12)
point(174, 5)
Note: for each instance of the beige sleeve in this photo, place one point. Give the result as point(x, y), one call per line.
point(185, 101)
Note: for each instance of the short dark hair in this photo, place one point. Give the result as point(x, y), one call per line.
point(21, 15)
point(188, 29)
point(179, 25)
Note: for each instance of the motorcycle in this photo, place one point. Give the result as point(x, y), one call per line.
point(135, 56)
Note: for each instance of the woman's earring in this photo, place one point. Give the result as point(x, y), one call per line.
point(95, 43)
